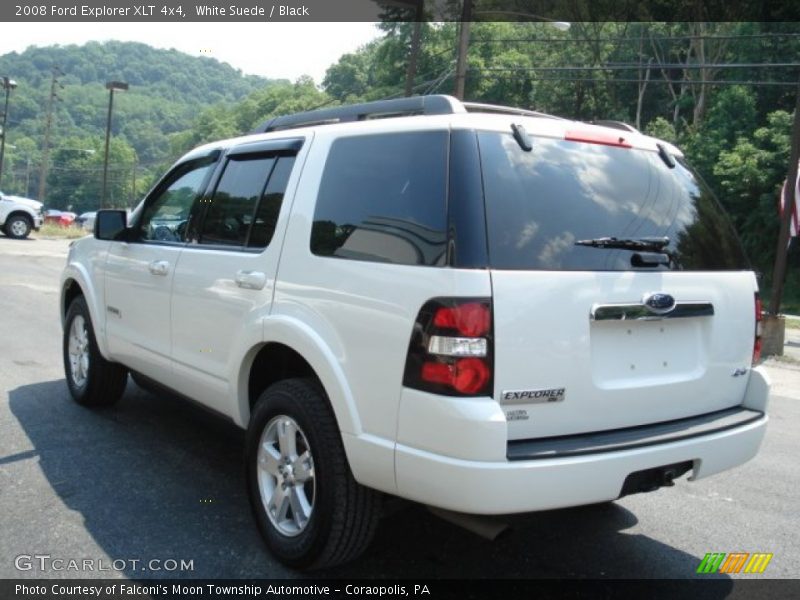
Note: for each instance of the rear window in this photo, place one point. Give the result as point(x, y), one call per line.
point(382, 198)
point(540, 203)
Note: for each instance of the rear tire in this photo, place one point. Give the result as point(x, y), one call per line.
point(309, 508)
point(18, 227)
point(91, 379)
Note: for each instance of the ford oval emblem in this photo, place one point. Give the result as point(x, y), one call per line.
point(658, 303)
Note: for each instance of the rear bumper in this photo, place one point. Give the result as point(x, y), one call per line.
point(454, 454)
point(530, 485)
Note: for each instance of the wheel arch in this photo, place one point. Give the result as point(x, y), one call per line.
point(19, 212)
point(69, 291)
point(76, 282)
point(292, 349)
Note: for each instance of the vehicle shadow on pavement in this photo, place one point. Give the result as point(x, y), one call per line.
point(156, 478)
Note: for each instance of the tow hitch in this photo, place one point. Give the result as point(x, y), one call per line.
point(650, 480)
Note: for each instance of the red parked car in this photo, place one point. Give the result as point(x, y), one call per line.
point(57, 217)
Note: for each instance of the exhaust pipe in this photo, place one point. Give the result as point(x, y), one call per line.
point(668, 477)
point(485, 526)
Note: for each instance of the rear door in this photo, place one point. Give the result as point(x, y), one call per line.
point(225, 277)
point(590, 338)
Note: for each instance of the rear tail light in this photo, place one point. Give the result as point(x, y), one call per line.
point(757, 340)
point(451, 348)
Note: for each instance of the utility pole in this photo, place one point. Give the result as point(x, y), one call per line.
point(781, 253)
point(463, 46)
point(28, 176)
point(110, 86)
point(132, 202)
point(54, 83)
point(411, 70)
point(8, 85)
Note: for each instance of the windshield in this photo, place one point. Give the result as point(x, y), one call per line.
point(540, 203)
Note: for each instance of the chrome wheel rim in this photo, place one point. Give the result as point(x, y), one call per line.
point(19, 227)
point(286, 478)
point(78, 351)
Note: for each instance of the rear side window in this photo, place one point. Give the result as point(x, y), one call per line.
point(540, 203)
point(382, 198)
point(244, 209)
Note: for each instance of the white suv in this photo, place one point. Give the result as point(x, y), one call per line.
point(479, 308)
point(18, 216)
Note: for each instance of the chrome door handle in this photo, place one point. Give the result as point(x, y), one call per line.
point(159, 267)
point(251, 280)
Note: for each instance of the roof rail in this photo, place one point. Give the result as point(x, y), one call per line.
point(505, 110)
point(415, 105)
point(616, 125)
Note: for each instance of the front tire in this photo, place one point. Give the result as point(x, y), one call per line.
point(309, 508)
point(18, 227)
point(91, 379)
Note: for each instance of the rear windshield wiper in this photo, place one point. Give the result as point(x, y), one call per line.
point(645, 244)
point(648, 251)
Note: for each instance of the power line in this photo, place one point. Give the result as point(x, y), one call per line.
point(637, 39)
point(655, 81)
point(628, 67)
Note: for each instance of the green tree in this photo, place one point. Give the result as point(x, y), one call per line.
point(76, 174)
point(750, 177)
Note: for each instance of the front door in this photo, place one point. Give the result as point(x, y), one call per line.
point(140, 272)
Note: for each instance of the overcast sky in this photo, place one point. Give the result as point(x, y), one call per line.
point(275, 50)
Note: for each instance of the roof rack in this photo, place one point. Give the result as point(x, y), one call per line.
point(616, 125)
point(382, 109)
point(505, 110)
point(415, 105)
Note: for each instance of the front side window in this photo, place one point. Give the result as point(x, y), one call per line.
point(166, 217)
point(382, 198)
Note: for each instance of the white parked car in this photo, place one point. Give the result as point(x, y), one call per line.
point(86, 221)
point(478, 308)
point(18, 215)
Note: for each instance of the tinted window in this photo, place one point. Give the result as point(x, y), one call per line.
point(166, 216)
point(382, 198)
point(540, 203)
point(230, 212)
point(270, 205)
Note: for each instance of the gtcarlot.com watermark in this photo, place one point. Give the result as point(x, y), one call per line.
point(46, 563)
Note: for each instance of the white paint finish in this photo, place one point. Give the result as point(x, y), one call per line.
point(632, 354)
point(371, 460)
point(467, 428)
point(140, 335)
point(545, 339)
point(86, 266)
point(363, 311)
point(17, 204)
point(758, 387)
point(292, 326)
point(219, 302)
point(514, 487)
point(211, 319)
point(352, 322)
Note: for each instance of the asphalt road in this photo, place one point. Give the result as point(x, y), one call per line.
point(155, 478)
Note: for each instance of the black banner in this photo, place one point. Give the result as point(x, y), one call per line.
point(485, 589)
point(395, 10)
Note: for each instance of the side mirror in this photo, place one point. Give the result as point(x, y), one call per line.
point(111, 225)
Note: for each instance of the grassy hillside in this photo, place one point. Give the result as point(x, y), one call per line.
point(168, 89)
